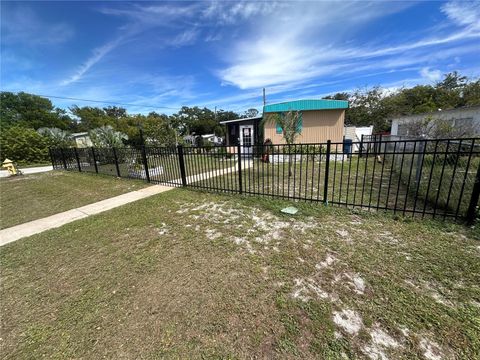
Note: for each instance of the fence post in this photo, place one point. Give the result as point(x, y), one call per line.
point(360, 151)
point(378, 145)
point(94, 160)
point(116, 161)
point(474, 199)
point(240, 185)
point(418, 170)
point(327, 170)
point(181, 161)
point(63, 159)
point(78, 159)
point(145, 163)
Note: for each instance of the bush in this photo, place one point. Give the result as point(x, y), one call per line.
point(107, 136)
point(57, 138)
point(296, 149)
point(23, 145)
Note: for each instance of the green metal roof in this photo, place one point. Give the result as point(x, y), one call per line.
point(304, 105)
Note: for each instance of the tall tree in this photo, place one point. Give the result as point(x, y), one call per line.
point(471, 94)
point(251, 113)
point(91, 117)
point(32, 111)
point(377, 107)
point(452, 81)
point(115, 112)
point(158, 130)
point(338, 96)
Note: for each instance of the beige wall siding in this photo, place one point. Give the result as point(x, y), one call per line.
point(318, 127)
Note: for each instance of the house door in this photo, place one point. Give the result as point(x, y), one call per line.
point(246, 139)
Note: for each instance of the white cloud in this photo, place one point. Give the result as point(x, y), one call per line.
point(296, 44)
point(98, 54)
point(140, 19)
point(431, 75)
point(213, 37)
point(464, 13)
point(233, 12)
point(22, 26)
point(307, 41)
point(187, 37)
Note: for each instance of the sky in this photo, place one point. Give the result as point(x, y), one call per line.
point(159, 56)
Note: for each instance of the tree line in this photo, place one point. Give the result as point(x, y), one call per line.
point(31, 123)
point(377, 106)
point(35, 112)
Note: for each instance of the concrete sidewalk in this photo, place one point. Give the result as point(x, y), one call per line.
point(37, 226)
point(31, 170)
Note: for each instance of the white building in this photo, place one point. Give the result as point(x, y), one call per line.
point(355, 133)
point(461, 117)
point(212, 138)
point(82, 140)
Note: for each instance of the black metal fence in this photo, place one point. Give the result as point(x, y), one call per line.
point(438, 178)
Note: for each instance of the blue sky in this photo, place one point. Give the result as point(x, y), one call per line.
point(169, 54)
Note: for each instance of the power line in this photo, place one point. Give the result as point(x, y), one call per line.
point(125, 104)
point(107, 102)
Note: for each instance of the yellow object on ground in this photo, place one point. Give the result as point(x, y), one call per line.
point(10, 166)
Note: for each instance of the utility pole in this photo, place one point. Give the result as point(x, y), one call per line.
point(264, 99)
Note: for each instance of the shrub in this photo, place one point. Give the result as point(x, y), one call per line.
point(56, 137)
point(23, 145)
point(107, 136)
point(297, 149)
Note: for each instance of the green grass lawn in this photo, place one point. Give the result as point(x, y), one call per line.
point(387, 181)
point(189, 274)
point(368, 182)
point(31, 197)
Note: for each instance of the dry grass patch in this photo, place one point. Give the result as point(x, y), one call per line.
point(190, 274)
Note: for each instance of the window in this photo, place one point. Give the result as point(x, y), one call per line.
point(279, 129)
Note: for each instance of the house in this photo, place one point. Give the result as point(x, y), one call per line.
point(320, 120)
point(355, 133)
point(466, 118)
point(249, 128)
point(82, 140)
point(213, 139)
point(192, 140)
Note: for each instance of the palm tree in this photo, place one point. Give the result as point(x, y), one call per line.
point(289, 123)
point(107, 136)
point(57, 137)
